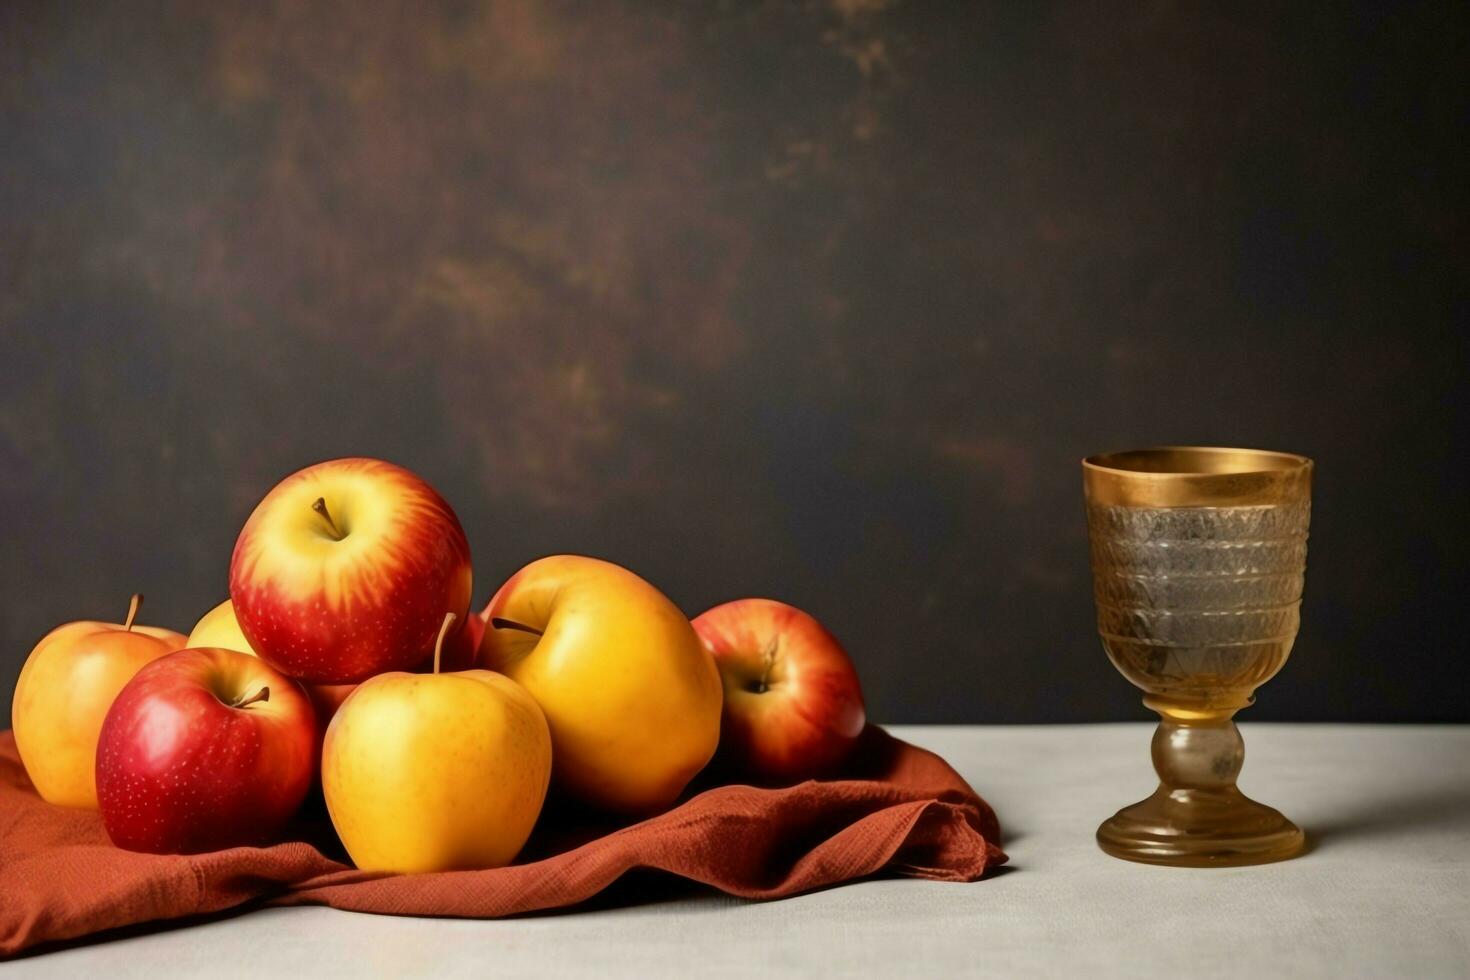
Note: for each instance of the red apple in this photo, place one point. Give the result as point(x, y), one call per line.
point(346, 570)
point(204, 749)
point(793, 705)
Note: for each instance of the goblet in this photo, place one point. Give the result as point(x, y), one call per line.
point(1198, 556)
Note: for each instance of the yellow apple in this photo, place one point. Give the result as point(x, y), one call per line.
point(632, 696)
point(436, 772)
point(67, 684)
point(219, 628)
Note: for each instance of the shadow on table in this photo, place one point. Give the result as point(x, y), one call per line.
point(1443, 807)
point(643, 888)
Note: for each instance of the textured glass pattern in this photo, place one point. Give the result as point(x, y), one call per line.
point(1198, 602)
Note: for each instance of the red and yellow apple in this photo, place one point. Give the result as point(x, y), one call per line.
point(220, 628)
point(436, 772)
point(65, 688)
point(346, 569)
point(793, 705)
point(632, 697)
point(203, 750)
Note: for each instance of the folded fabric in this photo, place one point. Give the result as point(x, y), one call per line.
point(898, 810)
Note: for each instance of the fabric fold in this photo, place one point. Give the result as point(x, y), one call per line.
point(900, 810)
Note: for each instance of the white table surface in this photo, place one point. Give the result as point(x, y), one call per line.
point(1384, 890)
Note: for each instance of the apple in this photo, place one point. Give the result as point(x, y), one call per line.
point(203, 750)
point(325, 700)
point(632, 697)
point(346, 570)
point(436, 772)
point(793, 705)
point(67, 684)
point(220, 628)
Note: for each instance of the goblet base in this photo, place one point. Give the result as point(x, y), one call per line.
point(1200, 829)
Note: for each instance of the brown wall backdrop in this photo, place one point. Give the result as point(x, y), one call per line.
point(816, 300)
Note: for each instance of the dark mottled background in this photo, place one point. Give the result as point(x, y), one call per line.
point(817, 300)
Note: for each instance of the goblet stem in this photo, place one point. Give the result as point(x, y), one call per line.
point(1201, 755)
point(1198, 817)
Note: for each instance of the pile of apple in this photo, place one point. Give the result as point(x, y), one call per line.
point(347, 654)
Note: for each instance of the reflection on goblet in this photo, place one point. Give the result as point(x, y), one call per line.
point(1198, 557)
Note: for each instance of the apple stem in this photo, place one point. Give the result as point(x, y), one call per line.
point(510, 624)
point(320, 506)
point(133, 604)
point(264, 694)
point(449, 619)
point(770, 658)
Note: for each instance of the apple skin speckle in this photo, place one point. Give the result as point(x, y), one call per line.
point(180, 771)
point(338, 610)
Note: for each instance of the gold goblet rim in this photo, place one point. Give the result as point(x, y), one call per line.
point(1196, 476)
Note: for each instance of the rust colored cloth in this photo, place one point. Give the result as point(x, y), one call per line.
point(900, 810)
